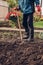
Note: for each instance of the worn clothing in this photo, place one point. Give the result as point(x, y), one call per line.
point(27, 6)
point(28, 24)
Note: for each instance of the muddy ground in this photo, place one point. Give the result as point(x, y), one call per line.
point(15, 52)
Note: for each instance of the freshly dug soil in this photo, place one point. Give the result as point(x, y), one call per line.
point(15, 52)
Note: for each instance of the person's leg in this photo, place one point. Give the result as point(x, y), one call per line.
point(25, 21)
point(25, 16)
point(30, 24)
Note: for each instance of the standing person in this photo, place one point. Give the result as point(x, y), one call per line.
point(28, 9)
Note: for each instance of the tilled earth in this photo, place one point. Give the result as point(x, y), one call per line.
point(15, 52)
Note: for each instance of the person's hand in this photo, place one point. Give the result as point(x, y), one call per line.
point(38, 10)
point(16, 8)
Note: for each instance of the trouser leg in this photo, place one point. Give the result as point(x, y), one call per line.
point(28, 24)
point(25, 16)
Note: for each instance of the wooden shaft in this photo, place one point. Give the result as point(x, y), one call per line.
point(19, 27)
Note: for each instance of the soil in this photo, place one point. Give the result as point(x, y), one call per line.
point(15, 52)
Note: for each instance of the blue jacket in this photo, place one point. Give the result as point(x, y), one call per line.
point(27, 6)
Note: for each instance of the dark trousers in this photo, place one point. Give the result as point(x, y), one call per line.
point(28, 23)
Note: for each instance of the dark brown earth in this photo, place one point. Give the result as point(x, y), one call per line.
point(15, 52)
